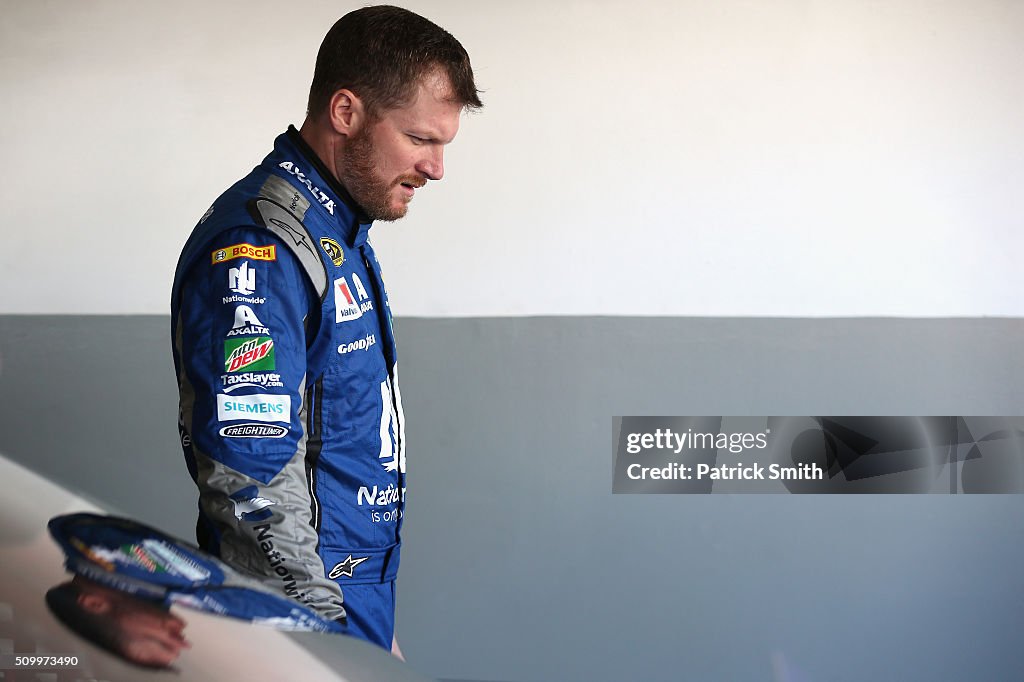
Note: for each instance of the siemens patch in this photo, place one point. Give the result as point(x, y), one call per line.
point(261, 408)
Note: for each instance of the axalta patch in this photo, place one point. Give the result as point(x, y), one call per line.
point(268, 252)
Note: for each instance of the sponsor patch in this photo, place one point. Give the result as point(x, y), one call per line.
point(333, 250)
point(268, 252)
point(317, 193)
point(254, 431)
point(365, 304)
point(380, 497)
point(264, 380)
point(245, 316)
point(364, 343)
point(251, 300)
point(277, 563)
point(247, 324)
point(255, 355)
point(360, 289)
point(345, 568)
point(250, 506)
point(242, 280)
point(261, 408)
point(344, 302)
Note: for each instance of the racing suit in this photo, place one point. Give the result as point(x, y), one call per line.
point(290, 414)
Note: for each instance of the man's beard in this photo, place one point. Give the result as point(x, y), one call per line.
point(372, 194)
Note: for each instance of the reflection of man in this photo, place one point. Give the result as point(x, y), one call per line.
point(291, 416)
point(127, 575)
point(142, 631)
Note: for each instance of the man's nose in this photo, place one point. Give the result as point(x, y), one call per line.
point(432, 166)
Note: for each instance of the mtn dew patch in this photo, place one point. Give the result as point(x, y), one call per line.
point(252, 354)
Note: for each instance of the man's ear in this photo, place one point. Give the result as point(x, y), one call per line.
point(347, 113)
point(94, 603)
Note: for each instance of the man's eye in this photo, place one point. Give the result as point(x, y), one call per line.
point(417, 140)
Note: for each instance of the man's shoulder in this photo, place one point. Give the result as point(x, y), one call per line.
point(268, 208)
point(230, 209)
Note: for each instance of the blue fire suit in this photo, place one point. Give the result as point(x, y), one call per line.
point(290, 413)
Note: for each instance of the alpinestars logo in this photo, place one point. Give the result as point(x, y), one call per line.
point(242, 280)
point(346, 567)
point(317, 193)
point(249, 506)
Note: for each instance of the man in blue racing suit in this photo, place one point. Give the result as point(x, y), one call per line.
point(290, 412)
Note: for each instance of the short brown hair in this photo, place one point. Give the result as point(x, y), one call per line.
point(380, 53)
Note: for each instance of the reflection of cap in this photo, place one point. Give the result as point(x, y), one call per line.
point(131, 556)
point(135, 558)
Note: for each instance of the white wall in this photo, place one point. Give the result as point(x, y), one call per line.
point(797, 157)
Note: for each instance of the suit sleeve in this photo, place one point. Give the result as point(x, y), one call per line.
point(244, 400)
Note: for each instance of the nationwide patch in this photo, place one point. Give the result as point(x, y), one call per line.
point(333, 250)
point(255, 354)
point(268, 252)
point(250, 506)
point(242, 280)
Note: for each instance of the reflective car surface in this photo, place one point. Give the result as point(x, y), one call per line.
point(131, 638)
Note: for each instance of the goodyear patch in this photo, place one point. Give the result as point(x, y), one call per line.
point(268, 252)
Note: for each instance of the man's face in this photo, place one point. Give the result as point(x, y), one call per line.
point(147, 633)
point(152, 636)
point(383, 163)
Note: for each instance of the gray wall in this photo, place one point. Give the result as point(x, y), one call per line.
point(521, 565)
